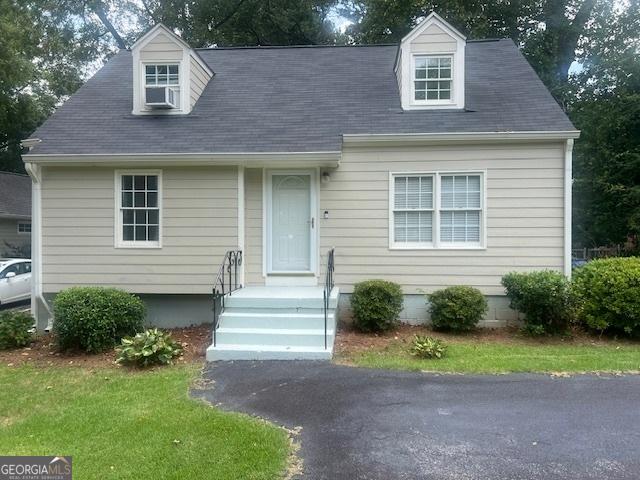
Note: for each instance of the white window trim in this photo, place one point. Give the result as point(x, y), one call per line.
point(451, 100)
point(436, 244)
point(24, 223)
point(117, 229)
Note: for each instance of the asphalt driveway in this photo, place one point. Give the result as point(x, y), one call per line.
point(375, 424)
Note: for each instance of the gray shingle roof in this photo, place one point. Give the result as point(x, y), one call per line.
point(15, 195)
point(297, 100)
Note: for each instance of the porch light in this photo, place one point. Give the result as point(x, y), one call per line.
point(326, 177)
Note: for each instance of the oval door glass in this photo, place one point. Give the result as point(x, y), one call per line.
point(291, 226)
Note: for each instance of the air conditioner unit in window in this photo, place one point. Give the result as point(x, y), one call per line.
point(162, 97)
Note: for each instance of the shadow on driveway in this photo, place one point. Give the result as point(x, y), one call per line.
point(375, 424)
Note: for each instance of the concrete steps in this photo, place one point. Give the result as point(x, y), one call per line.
point(275, 323)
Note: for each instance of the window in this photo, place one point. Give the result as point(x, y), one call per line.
point(460, 208)
point(24, 227)
point(436, 210)
point(139, 198)
point(413, 209)
point(160, 75)
point(432, 78)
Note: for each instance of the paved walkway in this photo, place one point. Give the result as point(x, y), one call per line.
point(375, 424)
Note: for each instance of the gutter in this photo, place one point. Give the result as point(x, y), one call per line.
point(458, 137)
point(248, 159)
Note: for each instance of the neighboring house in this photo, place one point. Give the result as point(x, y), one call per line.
point(436, 162)
point(15, 215)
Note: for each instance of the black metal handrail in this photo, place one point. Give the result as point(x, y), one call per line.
point(328, 287)
point(226, 283)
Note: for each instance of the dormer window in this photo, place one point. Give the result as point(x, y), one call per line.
point(430, 66)
point(432, 78)
point(168, 75)
point(162, 86)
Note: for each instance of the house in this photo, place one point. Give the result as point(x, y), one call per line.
point(15, 215)
point(436, 162)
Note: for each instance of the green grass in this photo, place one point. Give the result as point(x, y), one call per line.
point(474, 357)
point(119, 424)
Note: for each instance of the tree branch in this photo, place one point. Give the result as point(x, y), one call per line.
point(98, 8)
point(229, 15)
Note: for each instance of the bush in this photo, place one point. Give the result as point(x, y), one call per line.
point(151, 347)
point(457, 308)
point(608, 294)
point(376, 305)
point(544, 297)
point(95, 319)
point(428, 347)
point(15, 329)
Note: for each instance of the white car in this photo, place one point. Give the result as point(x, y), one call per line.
point(15, 280)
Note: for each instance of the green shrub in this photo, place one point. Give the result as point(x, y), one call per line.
point(428, 347)
point(94, 319)
point(608, 294)
point(15, 329)
point(376, 305)
point(458, 308)
point(544, 297)
point(151, 347)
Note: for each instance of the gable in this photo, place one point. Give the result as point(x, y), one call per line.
point(161, 48)
point(434, 40)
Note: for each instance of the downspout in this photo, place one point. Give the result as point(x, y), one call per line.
point(568, 180)
point(37, 297)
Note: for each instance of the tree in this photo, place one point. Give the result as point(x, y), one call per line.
point(548, 31)
point(204, 23)
point(607, 110)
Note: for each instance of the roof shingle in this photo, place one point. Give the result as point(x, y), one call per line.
point(15, 195)
point(297, 99)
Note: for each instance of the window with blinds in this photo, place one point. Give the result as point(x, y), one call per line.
point(413, 209)
point(436, 210)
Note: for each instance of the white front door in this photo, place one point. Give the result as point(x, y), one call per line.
point(292, 223)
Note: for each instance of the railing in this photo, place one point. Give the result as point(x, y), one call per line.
point(226, 283)
point(328, 287)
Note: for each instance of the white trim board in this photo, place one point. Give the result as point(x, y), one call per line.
point(248, 159)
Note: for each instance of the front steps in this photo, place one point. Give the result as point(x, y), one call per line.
point(275, 323)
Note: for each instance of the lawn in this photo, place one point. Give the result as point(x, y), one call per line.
point(121, 424)
point(501, 353)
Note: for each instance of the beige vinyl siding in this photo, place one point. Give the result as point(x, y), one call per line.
point(199, 212)
point(524, 215)
point(162, 49)
point(253, 227)
point(9, 234)
point(199, 80)
point(434, 40)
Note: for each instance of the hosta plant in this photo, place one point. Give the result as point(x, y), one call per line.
point(428, 347)
point(151, 347)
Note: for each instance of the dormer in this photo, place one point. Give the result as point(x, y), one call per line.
point(168, 75)
point(430, 66)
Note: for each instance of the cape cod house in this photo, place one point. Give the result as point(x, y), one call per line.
point(174, 171)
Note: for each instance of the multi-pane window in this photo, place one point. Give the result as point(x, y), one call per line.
point(460, 208)
point(161, 75)
point(432, 78)
point(413, 209)
point(436, 210)
point(139, 209)
point(24, 227)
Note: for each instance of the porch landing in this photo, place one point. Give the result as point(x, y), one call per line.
point(276, 323)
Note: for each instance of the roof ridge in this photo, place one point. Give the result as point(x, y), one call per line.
point(269, 47)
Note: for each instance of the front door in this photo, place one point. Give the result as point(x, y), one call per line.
point(292, 222)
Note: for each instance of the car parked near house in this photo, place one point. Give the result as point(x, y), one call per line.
point(15, 280)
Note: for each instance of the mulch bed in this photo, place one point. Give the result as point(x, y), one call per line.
point(43, 351)
point(349, 340)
